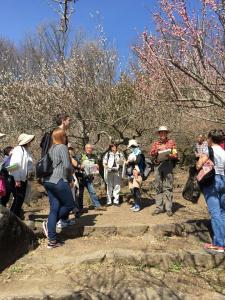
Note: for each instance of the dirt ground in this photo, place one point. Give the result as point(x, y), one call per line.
point(108, 266)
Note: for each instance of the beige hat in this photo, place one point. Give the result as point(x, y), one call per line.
point(163, 128)
point(24, 139)
point(2, 135)
point(132, 143)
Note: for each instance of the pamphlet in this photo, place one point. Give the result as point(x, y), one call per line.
point(163, 154)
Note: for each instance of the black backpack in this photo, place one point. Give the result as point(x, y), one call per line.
point(46, 143)
point(44, 167)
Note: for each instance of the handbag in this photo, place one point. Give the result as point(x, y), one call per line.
point(192, 191)
point(2, 187)
point(206, 174)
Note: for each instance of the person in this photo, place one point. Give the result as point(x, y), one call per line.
point(164, 170)
point(62, 120)
point(135, 188)
point(21, 157)
point(135, 164)
point(111, 162)
point(75, 184)
point(201, 145)
point(86, 178)
point(214, 191)
point(9, 180)
point(58, 187)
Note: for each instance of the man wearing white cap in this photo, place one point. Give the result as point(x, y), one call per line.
point(164, 154)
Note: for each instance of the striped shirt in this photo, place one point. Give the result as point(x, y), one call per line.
point(62, 168)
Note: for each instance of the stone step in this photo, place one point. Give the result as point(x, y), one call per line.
point(199, 228)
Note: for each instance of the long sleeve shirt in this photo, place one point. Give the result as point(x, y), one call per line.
point(22, 158)
point(160, 146)
point(62, 168)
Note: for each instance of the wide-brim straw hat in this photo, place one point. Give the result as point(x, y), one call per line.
point(2, 135)
point(24, 139)
point(163, 128)
point(132, 143)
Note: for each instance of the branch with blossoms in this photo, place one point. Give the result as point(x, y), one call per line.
point(188, 52)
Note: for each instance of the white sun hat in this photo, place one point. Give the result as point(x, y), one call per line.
point(163, 128)
point(24, 139)
point(2, 135)
point(132, 143)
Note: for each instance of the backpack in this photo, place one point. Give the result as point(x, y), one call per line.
point(44, 167)
point(46, 143)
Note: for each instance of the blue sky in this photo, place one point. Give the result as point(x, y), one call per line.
point(123, 20)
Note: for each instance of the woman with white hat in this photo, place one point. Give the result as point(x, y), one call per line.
point(21, 157)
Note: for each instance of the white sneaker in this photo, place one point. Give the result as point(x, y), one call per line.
point(136, 208)
point(63, 224)
point(132, 207)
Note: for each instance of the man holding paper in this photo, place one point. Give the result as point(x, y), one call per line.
point(164, 154)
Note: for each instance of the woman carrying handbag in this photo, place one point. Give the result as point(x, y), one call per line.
point(211, 178)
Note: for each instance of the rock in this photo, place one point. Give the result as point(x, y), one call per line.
point(16, 238)
point(30, 224)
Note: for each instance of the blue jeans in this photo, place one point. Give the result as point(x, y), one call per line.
point(87, 182)
point(215, 199)
point(61, 204)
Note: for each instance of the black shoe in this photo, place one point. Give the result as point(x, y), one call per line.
point(157, 211)
point(169, 213)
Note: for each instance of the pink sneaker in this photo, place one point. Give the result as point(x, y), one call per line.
point(213, 249)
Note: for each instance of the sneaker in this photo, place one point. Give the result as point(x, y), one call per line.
point(169, 213)
point(45, 228)
point(116, 204)
point(66, 223)
point(136, 208)
point(108, 204)
point(132, 207)
point(213, 249)
point(54, 244)
point(157, 211)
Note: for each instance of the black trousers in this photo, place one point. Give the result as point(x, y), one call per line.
point(19, 197)
point(137, 196)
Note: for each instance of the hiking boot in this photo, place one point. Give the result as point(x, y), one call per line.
point(210, 248)
point(54, 244)
point(169, 213)
point(45, 228)
point(157, 211)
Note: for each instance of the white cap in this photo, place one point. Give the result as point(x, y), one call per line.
point(132, 143)
point(163, 128)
